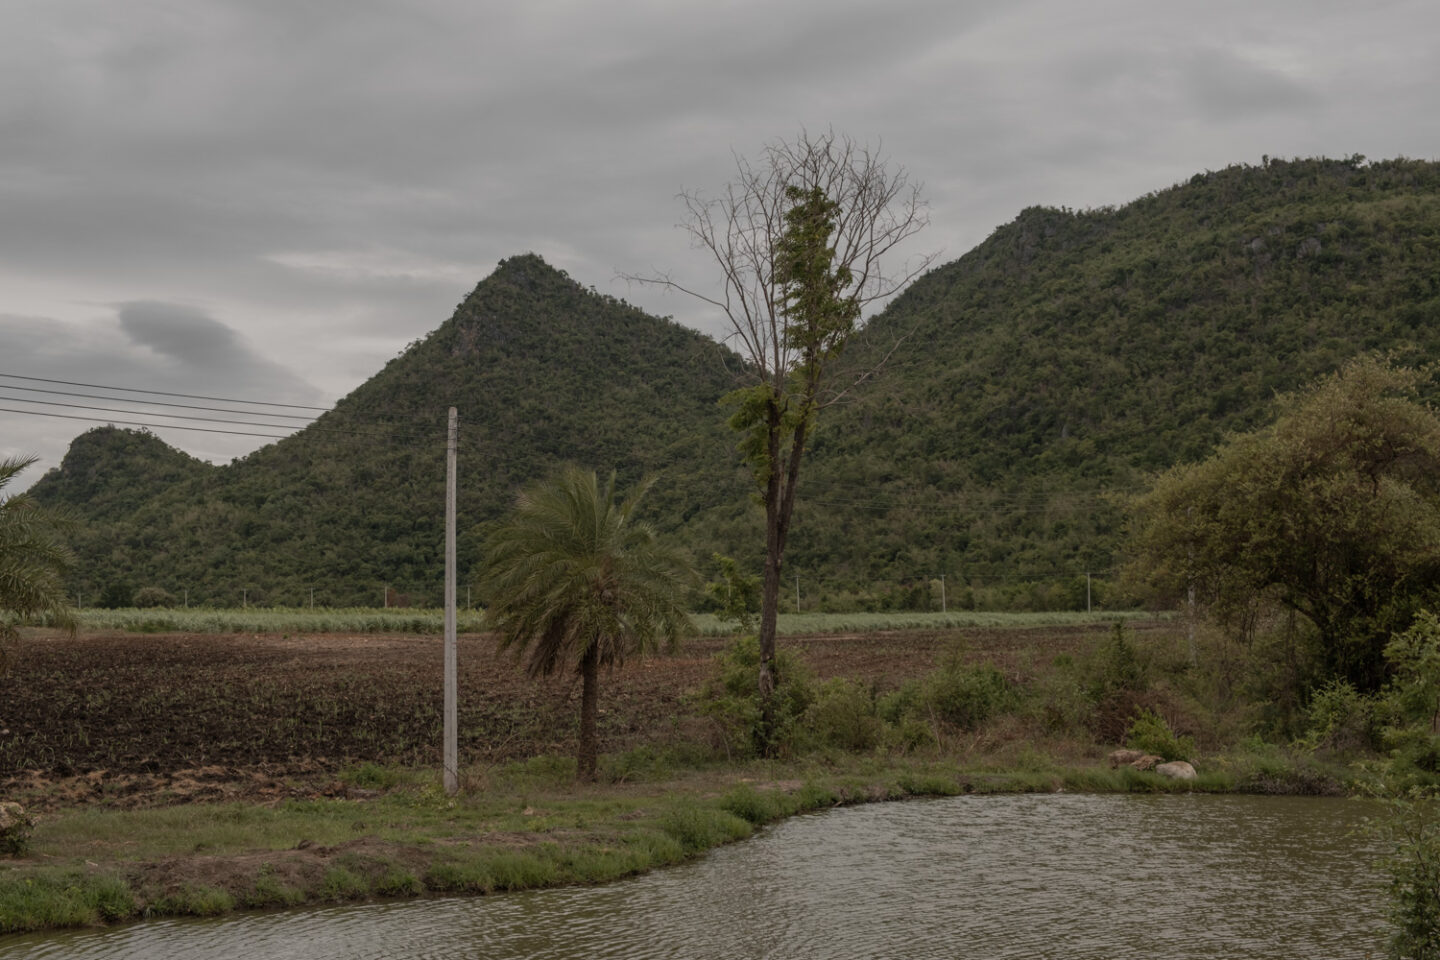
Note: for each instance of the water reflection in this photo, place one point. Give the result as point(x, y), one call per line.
point(1051, 875)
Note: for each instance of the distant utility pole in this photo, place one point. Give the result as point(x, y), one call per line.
point(385, 597)
point(187, 598)
point(244, 599)
point(312, 598)
point(452, 726)
point(797, 593)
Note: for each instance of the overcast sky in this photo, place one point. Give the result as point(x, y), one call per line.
point(267, 199)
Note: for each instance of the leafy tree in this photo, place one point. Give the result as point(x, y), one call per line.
point(1332, 512)
point(800, 240)
point(572, 578)
point(32, 560)
point(736, 595)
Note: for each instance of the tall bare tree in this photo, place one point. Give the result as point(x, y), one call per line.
point(804, 239)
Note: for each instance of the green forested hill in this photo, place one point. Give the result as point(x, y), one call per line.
point(542, 371)
point(1073, 353)
point(1051, 368)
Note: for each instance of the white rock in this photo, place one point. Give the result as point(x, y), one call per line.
point(1176, 770)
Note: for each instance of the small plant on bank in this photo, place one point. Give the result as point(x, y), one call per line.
point(1343, 720)
point(843, 716)
point(966, 696)
point(1149, 732)
point(16, 827)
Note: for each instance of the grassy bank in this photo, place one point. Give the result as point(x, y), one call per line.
point(524, 825)
point(194, 774)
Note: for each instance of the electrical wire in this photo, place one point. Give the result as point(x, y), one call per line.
point(148, 413)
point(159, 403)
point(132, 423)
point(162, 393)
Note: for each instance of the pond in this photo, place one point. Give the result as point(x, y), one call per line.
point(1048, 875)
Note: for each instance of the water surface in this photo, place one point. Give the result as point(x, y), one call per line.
point(1052, 875)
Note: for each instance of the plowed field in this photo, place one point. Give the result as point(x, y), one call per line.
point(120, 714)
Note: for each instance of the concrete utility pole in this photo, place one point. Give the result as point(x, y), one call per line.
point(385, 597)
point(452, 726)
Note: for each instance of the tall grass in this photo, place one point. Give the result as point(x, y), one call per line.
point(428, 620)
point(809, 623)
point(278, 620)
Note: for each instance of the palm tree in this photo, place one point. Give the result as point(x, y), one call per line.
point(574, 580)
point(32, 561)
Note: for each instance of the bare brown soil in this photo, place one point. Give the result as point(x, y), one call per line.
point(162, 718)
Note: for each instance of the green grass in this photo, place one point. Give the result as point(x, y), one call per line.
point(811, 623)
point(404, 620)
point(410, 620)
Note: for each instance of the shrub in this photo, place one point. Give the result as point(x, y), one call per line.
point(1341, 718)
point(898, 704)
point(757, 808)
point(699, 828)
point(1149, 732)
point(150, 597)
point(1059, 700)
point(1116, 667)
point(965, 696)
point(15, 828)
point(843, 715)
point(733, 699)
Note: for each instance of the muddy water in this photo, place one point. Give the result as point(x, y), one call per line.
point(1061, 875)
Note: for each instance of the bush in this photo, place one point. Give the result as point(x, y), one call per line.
point(965, 696)
point(1059, 700)
point(732, 697)
point(15, 828)
point(1116, 667)
point(1149, 732)
point(150, 597)
point(1341, 718)
point(843, 715)
point(698, 828)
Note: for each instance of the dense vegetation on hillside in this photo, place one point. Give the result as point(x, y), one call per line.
point(1073, 354)
point(542, 372)
point(1038, 379)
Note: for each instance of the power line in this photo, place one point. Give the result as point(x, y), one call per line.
point(373, 430)
point(147, 413)
point(150, 426)
point(159, 403)
point(162, 393)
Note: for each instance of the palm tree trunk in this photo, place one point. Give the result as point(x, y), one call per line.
point(589, 710)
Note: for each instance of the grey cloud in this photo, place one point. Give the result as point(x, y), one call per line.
point(183, 333)
point(194, 347)
point(323, 177)
point(1227, 86)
